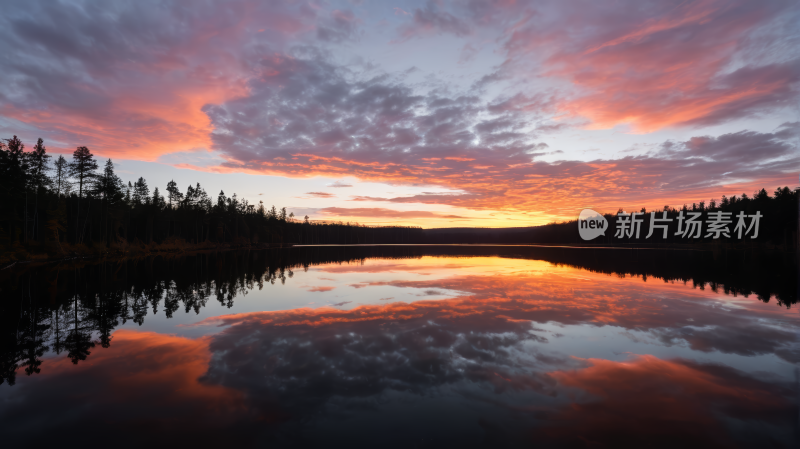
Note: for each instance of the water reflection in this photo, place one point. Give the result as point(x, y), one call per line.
point(510, 350)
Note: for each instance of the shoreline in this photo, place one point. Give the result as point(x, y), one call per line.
point(178, 248)
point(129, 252)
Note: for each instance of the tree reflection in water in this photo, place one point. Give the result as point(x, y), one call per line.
point(483, 359)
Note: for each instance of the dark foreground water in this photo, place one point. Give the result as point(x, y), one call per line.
point(404, 347)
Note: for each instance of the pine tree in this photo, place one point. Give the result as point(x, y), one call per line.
point(173, 193)
point(128, 199)
point(16, 155)
point(13, 167)
point(221, 201)
point(201, 198)
point(60, 180)
point(108, 185)
point(188, 199)
point(158, 200)
point(141, 193)
point(82, 167)
point(37, 177)
point(38, 167)
point(16, 178)
point(13, 174)
point(233, 204)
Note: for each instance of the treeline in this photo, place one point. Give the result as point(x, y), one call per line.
point(62, 206)
point(73, 308)
point(777, 225)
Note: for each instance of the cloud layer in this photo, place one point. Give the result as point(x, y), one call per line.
point(313, 118)
point(286, 89)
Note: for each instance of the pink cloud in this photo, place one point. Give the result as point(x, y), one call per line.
point(655, 65)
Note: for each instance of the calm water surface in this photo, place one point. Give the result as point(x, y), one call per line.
point(405, 347)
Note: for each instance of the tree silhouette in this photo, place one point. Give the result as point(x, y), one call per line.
point(37, 179)
point(141, 193)
point(33, 343)
point(173, 194)
point(60, 179)
point(13, 182)
point(82, 168)
point(38, 162)
point(107, 185)
point(158, 200)
point(79, 340)
point(16, 155)
point(128, 190)
point(78, 344)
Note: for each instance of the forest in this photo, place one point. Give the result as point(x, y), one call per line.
point(54, 206)
point(777, 226)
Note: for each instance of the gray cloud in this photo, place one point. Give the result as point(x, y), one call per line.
point(433, 20)
point(340, 26)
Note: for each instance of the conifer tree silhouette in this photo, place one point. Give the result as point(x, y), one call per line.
point(82, 168)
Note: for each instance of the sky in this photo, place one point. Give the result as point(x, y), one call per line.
point(425, 113)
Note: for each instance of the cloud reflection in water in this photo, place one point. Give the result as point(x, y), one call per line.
point(499, 363)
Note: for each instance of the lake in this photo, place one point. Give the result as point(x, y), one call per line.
point(405, 346)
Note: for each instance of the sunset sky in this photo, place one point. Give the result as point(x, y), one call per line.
point(435, 114)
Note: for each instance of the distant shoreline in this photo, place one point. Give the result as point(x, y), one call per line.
point(141, 251)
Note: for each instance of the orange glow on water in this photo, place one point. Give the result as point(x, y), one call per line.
point(153, 367)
